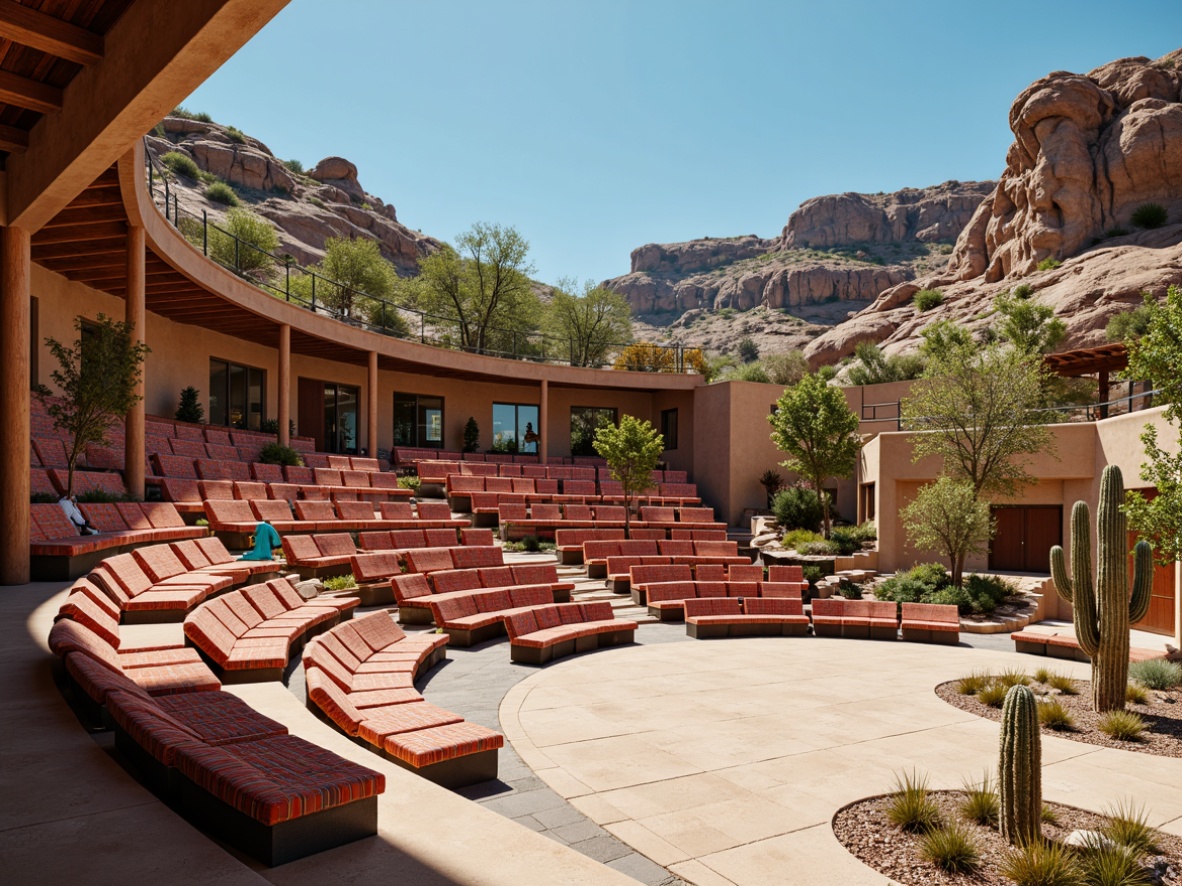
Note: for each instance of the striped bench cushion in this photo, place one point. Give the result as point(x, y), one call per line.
point(441, 743)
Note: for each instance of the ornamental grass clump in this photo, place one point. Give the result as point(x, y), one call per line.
point(1053, 715)
point(1063, 683)
point(1122, 725)
point(1102, 616)
point(1128, 826)
point(1012, 677)
point(1019, 769)
point(1040, 863)
point(1135, 693)
point(1156, 673)
point(981, 803)
point(911, 807)
point(973, 683)
point(951, 848)
point(992, 695)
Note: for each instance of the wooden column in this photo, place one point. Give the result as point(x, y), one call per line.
point(133, 444)
point(284, 397)
point(1103, 392)
point(14, 406)
point(543, 422)
point(371, 403)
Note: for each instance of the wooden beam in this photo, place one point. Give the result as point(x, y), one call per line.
point(83, 234)
point(86, 215)
point(48, 252)
point(31, 94)
point(34, 29)
point(13, 140)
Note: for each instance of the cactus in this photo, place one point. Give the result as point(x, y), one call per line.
point(1019, 770)
point(1102, 617)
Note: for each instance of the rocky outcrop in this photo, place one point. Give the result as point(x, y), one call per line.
point(1088, 151)
point(307, 210)
point(697, 255)
point(924, 214)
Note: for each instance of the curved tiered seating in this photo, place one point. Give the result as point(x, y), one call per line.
point(360, 677)
point(666, 600)
point(143, 600)
point(544, 633)
point(569, 542)
point(248, 635)
point(856, 619)
point(415, 592)
point(747, 617)
point(471, 617)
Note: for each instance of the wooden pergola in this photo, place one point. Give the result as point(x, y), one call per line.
point(1101, 361)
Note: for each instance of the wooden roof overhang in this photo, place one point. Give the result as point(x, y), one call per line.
point(1088, 361)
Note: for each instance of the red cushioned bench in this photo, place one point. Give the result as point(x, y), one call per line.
point(855, 619)
point(143, 600)
point(545, 633)
point(319, 556)
point(471, 617)
point(414, 592)
point(248, 635)
point(570, 542)
point(747, 617)
point(666, 600)
point(930, 623)
point(360, 677)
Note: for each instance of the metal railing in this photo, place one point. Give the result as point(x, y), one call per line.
point(283, 277)
point(1082, 412)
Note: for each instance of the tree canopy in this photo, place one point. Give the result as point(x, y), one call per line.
point(356, 280)
point(482, 285)
point(1028, 325)
point(97, 378)
point(948, 517)
point(814, 425)
point(632, 450)
point(594, 320)
point(979, 410)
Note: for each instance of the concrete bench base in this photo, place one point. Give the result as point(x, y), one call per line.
point(544, 654)
point(458, 772)
point(378, 593)
point(923, 635)
point(414, 615)
point(278, 844)
point(710, 631)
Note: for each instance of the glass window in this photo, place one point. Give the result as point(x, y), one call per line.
point(340, 418)
point(516, 428)
point(237, 395)
point(669, 428)
point(584, 422)
point(418, 421)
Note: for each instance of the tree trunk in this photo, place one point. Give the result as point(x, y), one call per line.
point(823, 499)
point(627, 516)
point(957, 569)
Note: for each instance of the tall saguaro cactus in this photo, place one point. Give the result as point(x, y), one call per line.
point(1019, 769)
point(1103, 615)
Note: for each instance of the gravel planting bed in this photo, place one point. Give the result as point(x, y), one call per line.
point(864, 829)
point(1162, 716)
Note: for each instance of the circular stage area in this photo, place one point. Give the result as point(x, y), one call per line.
point(726, 760)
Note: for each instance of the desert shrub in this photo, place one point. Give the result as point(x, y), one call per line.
point(981, 803)
point(1128, 826)
point(1053, 715)
point(1049, 264)
point(1112, 866)
point(1156, 673)
point(822, 548)
point(294, 166)
point(410, 482)
point(1048, 814)
point(748, 350)
point(531, 543)
point(746, 372)
point(244, 242)
point(973, 683)
point(277, 454)
point(180, 164)
point(849, 590)
point(1149, 215)
point(986, 592)
point(316, 201)
point(951, 596)
point(785, 368)
point(1128, 325)
point(911, 807)
point(846, 539)
point(1042, 675)
point(339, 583)
point(220, 192)
point(234, 134)
point(926, 299)
point(797, 508)
point(865, 531)
point(1135, 693)
point(799, 537)
point(812, 574)
point(915, 584)
point(1023, 291)
point(1122, 725)
point(951, 849)
point(992, 695)
point(1118, 231)
point(1041, 863)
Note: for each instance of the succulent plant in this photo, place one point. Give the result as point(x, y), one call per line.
point(1102, 616)
point(1019, 770)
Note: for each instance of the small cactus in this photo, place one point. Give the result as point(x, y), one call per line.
point(1102, 617)
point(1019, 770)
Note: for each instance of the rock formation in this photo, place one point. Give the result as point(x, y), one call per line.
point(307, 210)
point(1089, 150)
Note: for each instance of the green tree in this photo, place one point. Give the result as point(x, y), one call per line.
point(1030, 327)
point(96, 379)
point(189, 409)
point(1156, 356)
point(1128, 325)
point(357, 282)
point(593, 322)
point(483, 286)
point(948, 517)
point(785, 368)
point(471, 435)
point(632, 450)
point(978, 408)
point(818, 431)
point(244, 242)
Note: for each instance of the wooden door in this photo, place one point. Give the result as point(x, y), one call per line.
point(1024, 537)
point(1162, 600)
point(310, 414)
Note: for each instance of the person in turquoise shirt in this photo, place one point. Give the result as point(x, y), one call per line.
point(266, 539)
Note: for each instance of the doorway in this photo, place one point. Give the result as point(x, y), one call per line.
point(328, 412)
point(1024, 538)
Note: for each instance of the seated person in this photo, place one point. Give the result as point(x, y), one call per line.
point(69, 504)
point(266, 539)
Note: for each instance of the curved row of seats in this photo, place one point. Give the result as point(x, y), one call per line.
point(666, 600)
point(641, 551)
point(248, 636)
point(782, 581)
point(224, 766)
point(360, 677)
point(316, 556)
point(238, 517)
point(417, 592)
point(543, 633)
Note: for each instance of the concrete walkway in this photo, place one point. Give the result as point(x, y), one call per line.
point(725, 760)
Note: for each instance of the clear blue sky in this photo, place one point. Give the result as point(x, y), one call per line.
point(596, 126)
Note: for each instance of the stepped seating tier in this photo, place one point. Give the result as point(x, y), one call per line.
point(416, 592)
point(542, 634)
point(707, 617)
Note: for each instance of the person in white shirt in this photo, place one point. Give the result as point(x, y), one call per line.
point(69, 504)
